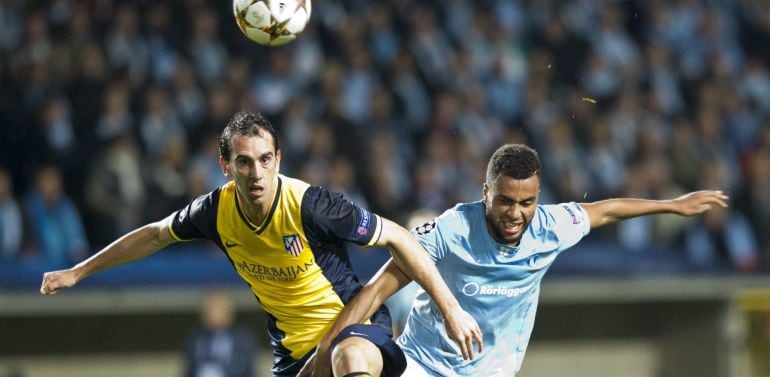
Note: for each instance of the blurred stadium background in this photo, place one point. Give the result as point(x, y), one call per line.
point(109, 112)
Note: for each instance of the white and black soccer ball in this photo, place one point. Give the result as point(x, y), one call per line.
point(271, 22)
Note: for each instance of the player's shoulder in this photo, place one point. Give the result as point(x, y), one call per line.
point(293, 191)
point(318, 199)
point(461, 216)
point(199, 217)
point(293, 184)
point(211, 198)
point(548, 215)
point(464, 211)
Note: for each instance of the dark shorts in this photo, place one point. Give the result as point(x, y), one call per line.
point(393, 359)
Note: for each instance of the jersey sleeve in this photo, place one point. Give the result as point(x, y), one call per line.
point(196, 220)
point(430, 235)
point(569, 222)
point(332, 217)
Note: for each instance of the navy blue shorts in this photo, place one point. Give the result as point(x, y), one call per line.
point(393, 359)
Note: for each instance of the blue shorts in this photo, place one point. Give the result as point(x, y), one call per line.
point(393, 359)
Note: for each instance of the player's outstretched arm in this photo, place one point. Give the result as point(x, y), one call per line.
point(416, 263)
point(132, 246)
point(613, 210)
point(387, 281)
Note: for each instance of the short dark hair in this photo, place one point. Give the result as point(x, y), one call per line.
point(244, 123)
point(517, 161)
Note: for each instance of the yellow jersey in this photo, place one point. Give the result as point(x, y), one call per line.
point(295, 262)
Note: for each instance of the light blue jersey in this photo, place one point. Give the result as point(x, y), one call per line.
point(496, 284)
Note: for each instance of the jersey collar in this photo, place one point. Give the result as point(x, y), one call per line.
point(266, 221)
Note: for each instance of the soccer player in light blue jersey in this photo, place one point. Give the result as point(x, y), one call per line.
point(493, 254)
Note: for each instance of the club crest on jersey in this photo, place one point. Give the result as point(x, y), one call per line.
point(292, 244)
point(506, 252)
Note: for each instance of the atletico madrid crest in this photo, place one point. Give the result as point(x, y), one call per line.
point(292, 244)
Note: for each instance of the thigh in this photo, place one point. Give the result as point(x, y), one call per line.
point(371, 353)
point(392, 358)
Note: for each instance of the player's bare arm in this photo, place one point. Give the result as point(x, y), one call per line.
point(460, 326)
point(387, 281)
point(613, 210)
point(132, 246)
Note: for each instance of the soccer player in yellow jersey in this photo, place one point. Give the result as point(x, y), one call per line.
point(286, 239)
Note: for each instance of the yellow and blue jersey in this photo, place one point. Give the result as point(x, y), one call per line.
point(295, 262)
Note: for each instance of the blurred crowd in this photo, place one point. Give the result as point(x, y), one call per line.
point(110, 110)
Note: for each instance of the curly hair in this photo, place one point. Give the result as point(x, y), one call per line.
point(245, 123)
point(517, 161)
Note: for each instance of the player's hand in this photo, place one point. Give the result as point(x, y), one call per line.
point(55, 280)
point(318, 365)
point(463, 330)
point(698, 202)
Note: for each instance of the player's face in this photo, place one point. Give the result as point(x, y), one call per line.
point(509, 207)
point(253, 166)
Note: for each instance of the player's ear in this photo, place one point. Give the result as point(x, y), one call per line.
point(485, 192)
point(225, 167)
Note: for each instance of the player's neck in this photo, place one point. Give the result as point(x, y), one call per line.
point(255, 212)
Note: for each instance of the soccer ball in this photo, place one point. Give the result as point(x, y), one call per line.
point(271, 22)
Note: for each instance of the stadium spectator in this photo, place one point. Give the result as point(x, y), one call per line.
point(55, 222)
point(757, 198)
point(316, 166)
point(219, 347)
point(115, 190)
point(205, 173)
point(276, 86)
point(116, 118)
point(162, 39)
point(57, 128)
point(167, 179)
point(11, 223)
point(206, 47)
point(160, 123)
point(126, 47)
point(189, 99)
point(342, 179)
point(722, 239)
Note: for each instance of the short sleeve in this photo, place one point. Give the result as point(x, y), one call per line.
point(569, 222)
point(197, 220)
point(436, 235)
point(428, 236)
point(332, 217)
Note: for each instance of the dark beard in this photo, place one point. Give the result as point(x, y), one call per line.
point(498, 236)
